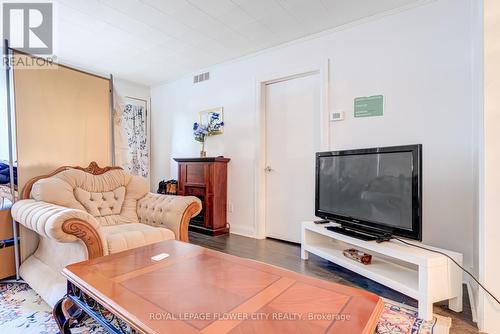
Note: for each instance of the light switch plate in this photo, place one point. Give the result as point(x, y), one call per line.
point(337, 116)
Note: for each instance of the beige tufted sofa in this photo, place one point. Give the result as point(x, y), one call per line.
point(83, 213)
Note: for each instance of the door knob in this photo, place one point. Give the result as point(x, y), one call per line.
point(268, 169)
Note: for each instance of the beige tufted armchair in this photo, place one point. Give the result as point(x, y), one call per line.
point(83, 213)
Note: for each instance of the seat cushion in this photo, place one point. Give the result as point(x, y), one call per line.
point(133, 235)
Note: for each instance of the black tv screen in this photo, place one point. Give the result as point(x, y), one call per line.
point(374, 188)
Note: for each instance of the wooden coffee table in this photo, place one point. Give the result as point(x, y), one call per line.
point(197, 290)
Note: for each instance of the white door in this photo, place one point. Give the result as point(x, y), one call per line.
point(292, 139)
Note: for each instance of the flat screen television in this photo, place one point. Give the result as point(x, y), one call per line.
point(375, 189)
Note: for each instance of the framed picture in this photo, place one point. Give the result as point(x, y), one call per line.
point(213, 119)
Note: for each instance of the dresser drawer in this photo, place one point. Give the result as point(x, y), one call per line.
point(194, 191)
point(7, 262)
point(5, 225)
point(195, 173)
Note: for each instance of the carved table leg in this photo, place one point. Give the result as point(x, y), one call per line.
point(66, 313)
point(77, 305)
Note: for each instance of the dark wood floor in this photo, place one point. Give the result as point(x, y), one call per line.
point(287, 255)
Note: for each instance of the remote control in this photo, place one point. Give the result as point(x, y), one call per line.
point(321, 221)
point(160, 257)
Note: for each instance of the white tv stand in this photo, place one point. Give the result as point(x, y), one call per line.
point(423, 275)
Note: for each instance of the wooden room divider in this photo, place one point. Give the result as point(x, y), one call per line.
point(63, 117)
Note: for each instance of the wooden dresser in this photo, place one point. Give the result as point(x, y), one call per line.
point(7, 263)
point(206, 178)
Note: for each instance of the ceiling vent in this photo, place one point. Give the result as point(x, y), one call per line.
point(201, 77)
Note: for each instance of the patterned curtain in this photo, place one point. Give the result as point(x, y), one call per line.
point(131, 137)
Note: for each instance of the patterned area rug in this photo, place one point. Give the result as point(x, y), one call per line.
point(22, 311)
point(399, 318)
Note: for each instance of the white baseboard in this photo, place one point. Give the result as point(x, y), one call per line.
point(242, 230)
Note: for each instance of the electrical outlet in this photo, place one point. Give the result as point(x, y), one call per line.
point(230, 207)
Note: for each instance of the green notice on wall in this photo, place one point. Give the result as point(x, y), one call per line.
point(369, 106)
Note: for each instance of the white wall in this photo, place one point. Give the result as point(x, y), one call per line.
point(419, 59)
point(128, 88)
point(489, 311)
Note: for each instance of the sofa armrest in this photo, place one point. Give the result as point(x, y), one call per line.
point(172, 212)
point(61, 224)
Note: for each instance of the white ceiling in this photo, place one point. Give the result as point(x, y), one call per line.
point(153, 41)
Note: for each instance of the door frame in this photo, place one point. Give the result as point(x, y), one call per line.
point(260, 176)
